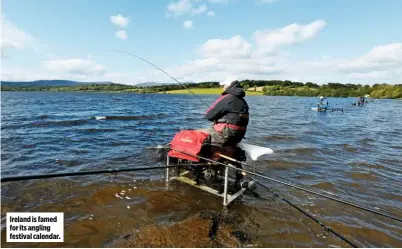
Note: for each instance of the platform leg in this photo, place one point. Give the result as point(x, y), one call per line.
point(225, 191)
point(167, 168)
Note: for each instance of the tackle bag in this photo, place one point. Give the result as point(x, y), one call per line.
point(190, 142)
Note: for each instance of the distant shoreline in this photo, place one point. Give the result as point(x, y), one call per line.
point(253, 87)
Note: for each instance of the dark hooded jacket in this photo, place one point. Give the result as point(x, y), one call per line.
point(230, 108)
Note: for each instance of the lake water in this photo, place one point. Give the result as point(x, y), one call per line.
point(356, 154)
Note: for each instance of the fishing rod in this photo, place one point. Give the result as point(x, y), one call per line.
point(181, 84)
point(150, 63)
point(294, 186)
point(309, 215)
point(79, 173)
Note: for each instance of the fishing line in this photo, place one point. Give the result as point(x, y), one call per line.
point(295, 186)
point(310, 189)
point(311, 216)
point(296, 182)
point(283, 219)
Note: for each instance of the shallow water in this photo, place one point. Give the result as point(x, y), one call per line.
point(356, 154)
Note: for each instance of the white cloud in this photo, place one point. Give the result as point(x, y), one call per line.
point(180, 7)
point(222, 58)
point(121, 34)
point(195, 67)
point(375, 75)
point(385, 56)
point(269, 40)
point(75, 67)
point(188, 24)
point(219, 67)
point(211, 13)
point(184, 7)
point(13, 37)
point(120, 21)
point(234, 47)
point(381, 64)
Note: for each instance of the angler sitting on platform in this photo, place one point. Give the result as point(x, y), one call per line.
point(323, 104)
point(229, 114)
point(360, 101)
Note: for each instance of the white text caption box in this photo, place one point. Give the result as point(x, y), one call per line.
point(35, 227)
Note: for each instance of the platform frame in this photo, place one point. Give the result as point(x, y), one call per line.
point(227, 198)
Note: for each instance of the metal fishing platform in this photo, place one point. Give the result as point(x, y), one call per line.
point(213, 177)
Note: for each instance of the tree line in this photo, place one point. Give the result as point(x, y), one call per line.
point(112, 87)
point(336, 90)
point(269, 87)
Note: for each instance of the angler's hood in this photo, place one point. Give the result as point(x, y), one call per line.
point(235, 89)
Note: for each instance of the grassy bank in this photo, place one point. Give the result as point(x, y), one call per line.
point(206, 91)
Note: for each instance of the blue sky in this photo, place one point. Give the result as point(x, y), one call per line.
point(198, 40)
